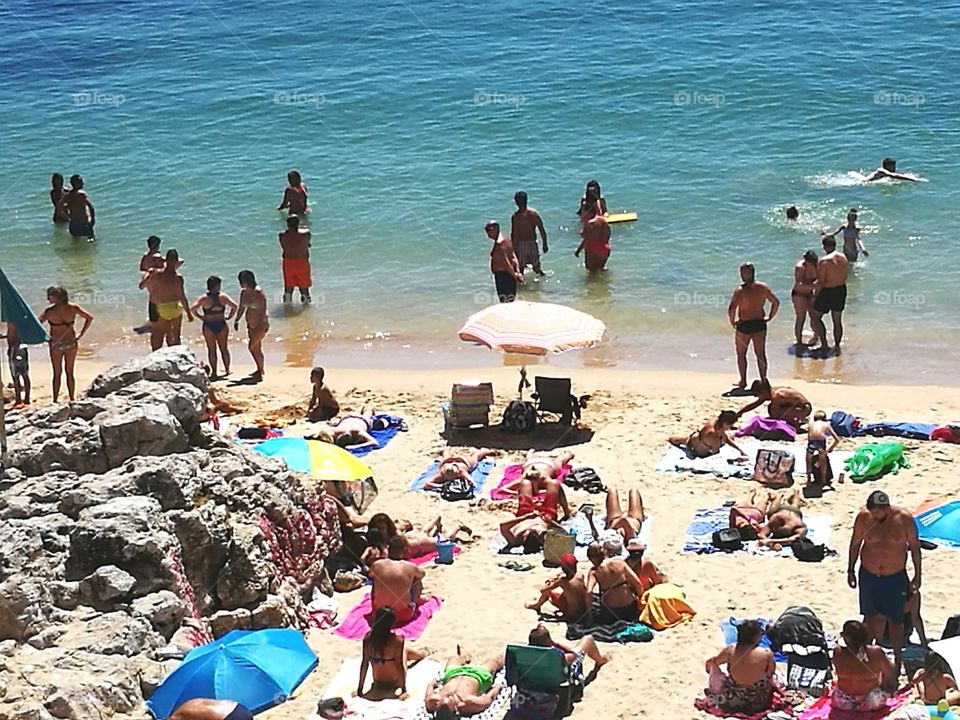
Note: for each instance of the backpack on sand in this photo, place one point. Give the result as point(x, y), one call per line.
point(519, 417)
point(457, 489)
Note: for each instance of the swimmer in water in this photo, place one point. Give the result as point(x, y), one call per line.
point(888, 170)
point(852, 244)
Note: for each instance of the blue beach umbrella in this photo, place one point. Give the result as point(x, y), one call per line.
point(14, 309)
point(940, 524)
point(256, 668)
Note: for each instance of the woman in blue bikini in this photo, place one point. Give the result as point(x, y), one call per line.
point(387, 658)
point(216, 331)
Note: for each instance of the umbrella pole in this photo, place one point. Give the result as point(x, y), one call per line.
point(3, 425)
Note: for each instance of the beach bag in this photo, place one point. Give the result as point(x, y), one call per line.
point(774, 468)
point(457, 489)
point(556, 544)
point(534, 705)
point(637, 632)
point(810, 673)
point(952, 628)
point(798, 630)
point(805, 550)
point(584, 478)
point(252, 432)
point(519, 417)
point(727, 539)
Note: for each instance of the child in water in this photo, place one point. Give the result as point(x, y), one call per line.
point(56, 197)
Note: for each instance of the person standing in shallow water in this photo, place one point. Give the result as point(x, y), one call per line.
point(57, 194)
point(294, 195)
point(524, 225)
point(165, 286)
point(748, 319)
point(503, 263)
point(253, 305)
point(594, 235)
point(804, 281)
point(295, 262)
point(78, 209)
point(830, 295)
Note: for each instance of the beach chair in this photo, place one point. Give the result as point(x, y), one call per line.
point(469, 406)
point(539, 674)
point(555, 396)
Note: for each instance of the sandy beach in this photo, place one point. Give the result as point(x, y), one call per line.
point(629, 417)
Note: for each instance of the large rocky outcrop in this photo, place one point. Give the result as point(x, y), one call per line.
point(123, 524)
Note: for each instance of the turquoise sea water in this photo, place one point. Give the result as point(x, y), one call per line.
point(413, 123)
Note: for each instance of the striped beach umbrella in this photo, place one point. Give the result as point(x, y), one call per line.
point(530, 328)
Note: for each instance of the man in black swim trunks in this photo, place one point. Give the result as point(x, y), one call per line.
point(830, 294)
point(747, 316)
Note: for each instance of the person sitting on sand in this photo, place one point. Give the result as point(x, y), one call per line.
point(464, 689)
point(644, 568)
point(784, 523)
point(354, 430)
point(585, 647)
point(934, 682)
point(380, 530)
point(619, 587)
point(457, 465)
point(888, 171)
point(567, 592)
point(396, 583)
point(749, 683)
point(386, 656)
point(204, 709)
point(785, 403)
point(711, 437)
point(748, 517)
point(323, 405)
point(817, 451)
point(626, 525)
point(864, 675)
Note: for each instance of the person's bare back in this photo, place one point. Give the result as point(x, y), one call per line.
point(524, 224)
point(396, 584)
point(748, 665)
point(832, 270)
point(295, 244)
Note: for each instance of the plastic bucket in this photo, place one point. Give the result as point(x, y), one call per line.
point(445, 552)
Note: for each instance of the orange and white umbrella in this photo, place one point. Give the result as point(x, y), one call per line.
point(531, 328)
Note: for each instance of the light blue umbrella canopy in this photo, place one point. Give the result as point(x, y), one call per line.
point(256, 668)
point(14, 309)
point(941, 524)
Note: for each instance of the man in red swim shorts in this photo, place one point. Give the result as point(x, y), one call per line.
point(295, 244)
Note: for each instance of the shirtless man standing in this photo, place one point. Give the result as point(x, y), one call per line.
point(77, 207)
point(397, 583)
point(747, 317)
point(882, 534)
point(711, 437)
point(830, 294)
point(503, 263)
point(165, 286)
point(466, 688)
point(524, 225)
point(295, 244)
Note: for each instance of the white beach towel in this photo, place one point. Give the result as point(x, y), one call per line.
point(345, 682)
point(724, 464)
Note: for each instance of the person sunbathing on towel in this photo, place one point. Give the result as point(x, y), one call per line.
point(747, 517)
point(748, 685)
point(204, 709)
point(784, 522)
point(626, 525)
point(567, 592)
point(619, 587)
point(786, 404)
point(465, 688)
point(711, 437)
point(538, 468)
point(396, 583)
point(864, 673)
point(387, 658)
point(422, 542)
point(585, 647)
point(381, 529)
point(354, 430)
point(454, 465)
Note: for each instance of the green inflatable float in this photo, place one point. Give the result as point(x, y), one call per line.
point(875, 459)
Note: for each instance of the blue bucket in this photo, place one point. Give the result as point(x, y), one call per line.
point(445, 552)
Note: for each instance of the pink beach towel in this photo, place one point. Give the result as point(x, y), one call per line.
point(513, 472)
point(357, 622)
point(823, 709)
point(431, 556)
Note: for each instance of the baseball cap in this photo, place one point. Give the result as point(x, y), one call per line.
point(568, 560)
point(878, 499)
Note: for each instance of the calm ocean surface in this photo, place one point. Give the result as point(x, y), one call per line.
point(413, 123)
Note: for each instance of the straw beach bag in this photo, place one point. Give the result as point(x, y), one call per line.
point(556, 544)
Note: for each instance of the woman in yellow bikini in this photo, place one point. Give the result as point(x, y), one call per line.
point(62, 314)
point(253, 304)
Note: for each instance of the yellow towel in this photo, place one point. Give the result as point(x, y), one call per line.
point(664, 606)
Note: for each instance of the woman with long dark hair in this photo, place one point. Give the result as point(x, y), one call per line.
point(386, 657)
point(864, 674)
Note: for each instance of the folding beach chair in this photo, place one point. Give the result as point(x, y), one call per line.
point(554, 396)
point(543, 681)
point(469, 405)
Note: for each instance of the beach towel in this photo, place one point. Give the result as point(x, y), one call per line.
point(722, 464)
point(819, 530)
point(665, 606)
point(766, 428)
point(479, 475)
point(431, 556)
point(344, 684)
point(699, 534)
point(497, 710)
point(914, 431)
point(579, 526)
point(394, 425)
point(621, 631)
point(779, 707)
point(513, 472)
point(823, 709)
point(357, 622)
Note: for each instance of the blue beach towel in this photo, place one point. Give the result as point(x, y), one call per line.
point(394, 425)
point(699, 535)
point(729, 629)
point(479, 475)
point(914, 431)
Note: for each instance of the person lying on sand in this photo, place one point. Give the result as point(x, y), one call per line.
point(784, 523)
point(566, 591)
point(422, 542)
point(748, 517)
point(934, 682)
point(387, 658)
point(538, 468)
point(354, 430)
point(381, 529)
point(585, 647)
point(626, 525)
point(711, 437)
point(749, 683)
point(396, 583)
point(785, 403)
point(204, 709)
point(454, 465)
point(465, 688)
point(534, 517)
point(619, 587)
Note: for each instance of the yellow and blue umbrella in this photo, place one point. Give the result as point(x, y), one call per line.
point(256, 668)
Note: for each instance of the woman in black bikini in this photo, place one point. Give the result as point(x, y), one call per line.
point(387, 657)
point(619, 587)
point(216, 331)
point(253, 304)
point(62, 314)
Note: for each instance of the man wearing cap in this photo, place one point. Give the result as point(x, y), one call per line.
point(566, 591)
point(503, 263)
point(881, 536)
point(644, 568)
